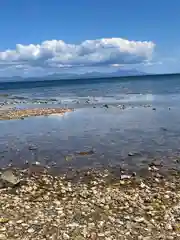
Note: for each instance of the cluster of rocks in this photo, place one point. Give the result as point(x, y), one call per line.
point(93, 205)
point(23, 113)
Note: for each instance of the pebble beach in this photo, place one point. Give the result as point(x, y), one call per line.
point(82, 169)
point(90, 205)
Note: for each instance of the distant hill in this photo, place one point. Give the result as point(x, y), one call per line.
point(63, 76)
point(119, 73)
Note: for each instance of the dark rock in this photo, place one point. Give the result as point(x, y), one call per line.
point(156, 163)
point(131, 154)
point(133, 174)
point(106, 106)
point(154, 109)
point(31, 148)
point(163, 129)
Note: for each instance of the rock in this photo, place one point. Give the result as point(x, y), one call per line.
point(66, 236)
point(9, 179)
point(163, 129)
point(130, 154)
point(31, 230)
point(36, 163)
point(32, 148)
point(2, 236)
point(139, 219)
point(106, 106)
point(2, 185)
point(154, 109)
point(168, 227)
point(90, 152)
point(125, 177)
point(4, 220)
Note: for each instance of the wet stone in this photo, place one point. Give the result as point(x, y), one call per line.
point(105, 106)
point(8, 178)
point(55, 207)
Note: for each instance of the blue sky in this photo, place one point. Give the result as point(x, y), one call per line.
point(124, 34)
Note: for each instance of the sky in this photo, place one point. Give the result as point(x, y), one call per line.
point(41, 37)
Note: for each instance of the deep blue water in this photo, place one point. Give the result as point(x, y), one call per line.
point(112, 132)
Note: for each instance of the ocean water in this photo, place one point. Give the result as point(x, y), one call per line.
point(148, 125)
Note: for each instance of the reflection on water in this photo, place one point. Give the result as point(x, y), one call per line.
point(112, 133)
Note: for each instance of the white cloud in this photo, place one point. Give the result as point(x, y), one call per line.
point(57, 54)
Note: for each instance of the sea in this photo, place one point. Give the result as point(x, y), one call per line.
point(126, 122)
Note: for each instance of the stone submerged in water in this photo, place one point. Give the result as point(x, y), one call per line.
point(105, 106)
point(8, 178)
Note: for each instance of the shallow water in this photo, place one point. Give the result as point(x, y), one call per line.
point(111, 132)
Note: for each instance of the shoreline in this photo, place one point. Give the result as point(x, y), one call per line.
point(96, 205)
point(109, 203)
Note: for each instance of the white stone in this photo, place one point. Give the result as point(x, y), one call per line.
point(30, 230)
point(65, 236)
point(2, 236)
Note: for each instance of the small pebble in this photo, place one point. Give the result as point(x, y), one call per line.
point(31, 230)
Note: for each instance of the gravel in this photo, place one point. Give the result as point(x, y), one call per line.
point(96, 206)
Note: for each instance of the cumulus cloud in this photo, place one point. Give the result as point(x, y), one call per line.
point(89, 53)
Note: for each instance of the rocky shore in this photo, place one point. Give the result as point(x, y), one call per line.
point(90, 205)
point(24, 113)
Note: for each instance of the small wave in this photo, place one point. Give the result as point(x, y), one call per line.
point(138, 98)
